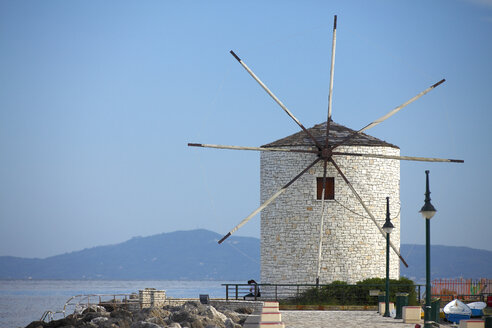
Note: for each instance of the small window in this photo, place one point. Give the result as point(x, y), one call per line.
point(330, 188)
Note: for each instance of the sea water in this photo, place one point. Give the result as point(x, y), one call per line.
point(23, 301)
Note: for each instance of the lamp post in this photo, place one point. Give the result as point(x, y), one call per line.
point(427, 212)
point(388, 228)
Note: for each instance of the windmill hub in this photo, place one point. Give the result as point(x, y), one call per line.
point(326, 153)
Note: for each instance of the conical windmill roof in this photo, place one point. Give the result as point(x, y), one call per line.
point(338, 133)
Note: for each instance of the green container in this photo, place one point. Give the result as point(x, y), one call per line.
point(435, 309)
point(488, 322)
point(401, 301)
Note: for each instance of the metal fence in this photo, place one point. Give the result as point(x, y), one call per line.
point(467, 291)
point(461, 286)
point(78, 303)
point(264, 291)
point(344, 294)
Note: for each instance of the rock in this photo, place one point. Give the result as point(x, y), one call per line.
point(121, 318)
point(94, 308)
point(216, 323)
point(172, 308)
point(180, 316)
point(175, 325)
point(244, 310)
point(122, 314)
point(36, 324)
point(83, 308)
point(189, 315)
point(99, 320)
point(92, 325)
point(154, 315)
point(216, 326)
point(212, 313)
point(232, 315)
point(88, 317)
point(160, 314)
point(69, 321)
point(194, 321)
point(231, 324)
point(157, 321)
point(144, 324)
point(192, 307)
point(242, 318)
point(197, 323)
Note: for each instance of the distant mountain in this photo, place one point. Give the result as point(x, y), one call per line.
point(195, 255)
point(446, 262)
point(180, 255)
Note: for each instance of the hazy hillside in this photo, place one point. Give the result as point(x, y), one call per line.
point(195, 255)
point(446, 262)
point(184, 255)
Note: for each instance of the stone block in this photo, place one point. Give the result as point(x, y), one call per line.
point(270, 307)
point(150, 297)
point(411, 314)
point(382, 307)
point(472, 323)
point(272, 325)
point(271, 317)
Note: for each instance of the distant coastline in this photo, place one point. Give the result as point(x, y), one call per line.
point(195, 255)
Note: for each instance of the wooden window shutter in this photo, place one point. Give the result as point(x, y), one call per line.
point(330, 188)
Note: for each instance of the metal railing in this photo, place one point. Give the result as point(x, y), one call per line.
point(108, 301)
point(78, 303)
point(462, 286)
point(50, 315)
point(345, 294)
point(358, 293)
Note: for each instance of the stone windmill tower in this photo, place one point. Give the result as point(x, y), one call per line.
point(290, 227)
point(322, 193)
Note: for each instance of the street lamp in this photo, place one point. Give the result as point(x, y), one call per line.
point(387, 227)
point(427, 212)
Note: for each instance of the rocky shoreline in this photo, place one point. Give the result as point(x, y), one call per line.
point(191, 314)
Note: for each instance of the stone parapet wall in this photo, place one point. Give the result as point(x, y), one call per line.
point(179, 301)
point(353, 248)
point(233, 305)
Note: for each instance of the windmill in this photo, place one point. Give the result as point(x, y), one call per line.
point(325, 142)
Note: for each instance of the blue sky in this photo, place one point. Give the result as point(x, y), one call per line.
point(98, 100)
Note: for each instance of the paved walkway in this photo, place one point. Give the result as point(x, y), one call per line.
point(340, 319)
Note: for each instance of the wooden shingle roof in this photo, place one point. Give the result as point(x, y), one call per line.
point(338, 133)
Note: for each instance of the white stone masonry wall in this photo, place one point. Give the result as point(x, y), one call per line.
point(150, 297)
point(353, 248)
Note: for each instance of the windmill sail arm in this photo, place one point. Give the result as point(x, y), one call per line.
point(404, 158)
point(249, 217)
point(313, 151)
point(397, 109)
point(270, 93)
point(271, 199)
point(321, 226)
point(373, 219)
point(389, 114)
point(332, 70)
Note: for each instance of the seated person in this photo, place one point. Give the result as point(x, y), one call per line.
point(254, 289)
